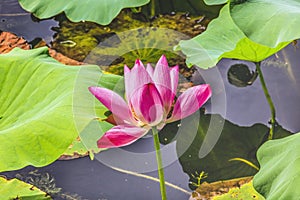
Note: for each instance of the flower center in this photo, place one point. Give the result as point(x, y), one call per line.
point(139, 122)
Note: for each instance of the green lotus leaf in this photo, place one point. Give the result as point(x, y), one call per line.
point(223, 39)
point(44, 106)
point(267, 22)
point(86, 143)
point(279, 174)
point(75, 150)
point(16, 189)
point(193, 7)
point(99, 11)
point(215, 2)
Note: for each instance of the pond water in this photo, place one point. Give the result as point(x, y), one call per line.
point(14, 19)
point(234, 124)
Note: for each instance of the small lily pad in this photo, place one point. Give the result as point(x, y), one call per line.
point(16, 189)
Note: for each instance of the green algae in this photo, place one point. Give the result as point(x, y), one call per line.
point(128, 37)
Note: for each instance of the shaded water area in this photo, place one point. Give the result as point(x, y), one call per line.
point(14, 19)
point(233, 124)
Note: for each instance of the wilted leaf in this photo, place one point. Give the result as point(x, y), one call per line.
point(8, 41)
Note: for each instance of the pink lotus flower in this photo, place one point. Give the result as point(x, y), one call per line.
point(150, 95)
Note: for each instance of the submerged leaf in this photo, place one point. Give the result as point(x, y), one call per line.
point(223, 39)
point(279, 174)
point(99, 11)
point(267, 22)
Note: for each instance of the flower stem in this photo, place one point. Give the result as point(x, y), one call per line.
point(269, 99)
point(159, 164)
point(152, 8)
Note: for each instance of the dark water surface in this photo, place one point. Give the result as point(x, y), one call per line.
point(92, 180)
point(16, 20)
point(247, 105)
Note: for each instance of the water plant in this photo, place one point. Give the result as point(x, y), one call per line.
point(150, 94)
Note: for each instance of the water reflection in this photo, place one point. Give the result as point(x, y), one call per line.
point(240, 75)
point(14, 19)
point(247, 105)
point(234, 142)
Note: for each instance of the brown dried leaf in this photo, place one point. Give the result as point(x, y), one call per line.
point(206, 191)
point(8, 41)
point(63, 59)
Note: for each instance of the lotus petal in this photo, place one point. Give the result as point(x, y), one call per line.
point(166, 81)
point(146, 105)
point(190, 101)
point(134, 78)
point(115, 103)
point(121, 135)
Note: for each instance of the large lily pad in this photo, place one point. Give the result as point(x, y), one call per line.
point(16, 189)
point(279, 175)
point(99, 11)
point(75, 150)
point(44, 105)
point(86, 144)
point(90, 108)
point(267, 22)
point(223, 39)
